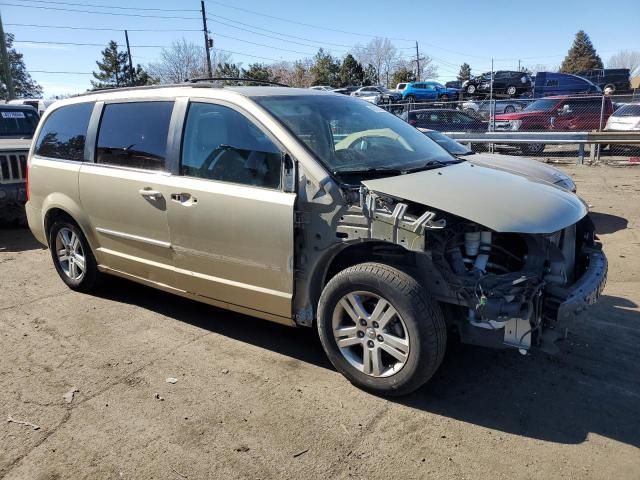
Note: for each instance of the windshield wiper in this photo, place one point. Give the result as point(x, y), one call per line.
point(383, 170)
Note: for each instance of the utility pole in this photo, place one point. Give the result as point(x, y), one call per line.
point(131, 70)
point(518, 64)
point(6, 65)
point(206, 38)
point(417, 62)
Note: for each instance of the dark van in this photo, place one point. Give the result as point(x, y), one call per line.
point(552, 83)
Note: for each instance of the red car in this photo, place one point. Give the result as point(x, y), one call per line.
point(562, 114)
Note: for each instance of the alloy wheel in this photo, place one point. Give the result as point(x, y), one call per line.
point(370, 334)
point(70, 254)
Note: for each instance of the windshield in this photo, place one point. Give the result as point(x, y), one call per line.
point(17, 123)
point(346, 133)
point(628, 111)
point(449, 144)
point(541, 106)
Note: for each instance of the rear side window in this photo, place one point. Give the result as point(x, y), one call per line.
point(64, 133)
point(134, 135)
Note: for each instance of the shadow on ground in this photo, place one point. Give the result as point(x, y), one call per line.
point(588, 388)
point(17, 239)
point(606, 223)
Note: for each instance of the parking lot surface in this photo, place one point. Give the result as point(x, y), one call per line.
point(88, 377)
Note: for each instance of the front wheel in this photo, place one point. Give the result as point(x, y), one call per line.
point(471, 89)
point(380, 329)
point(444, 98)
point(511, 90)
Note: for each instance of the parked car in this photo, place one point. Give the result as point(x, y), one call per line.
point(17, 124)
point(386, 95)
point(428, 91)
point(245, 198)
point(612, 79)
point(509, 163)
point(401, 86)
point(444, 120)
point(551, 83)
point(505, 82)
point(483, 107)
point(323, 88)
point(562, 114)
point(40, 104)
point(626, 118)
point(345, 90)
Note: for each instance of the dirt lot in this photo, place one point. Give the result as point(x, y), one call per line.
point(256, 400)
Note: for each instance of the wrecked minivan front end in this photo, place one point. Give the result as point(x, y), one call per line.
point(501, 279)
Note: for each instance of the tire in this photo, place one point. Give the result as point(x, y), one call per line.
point(444, 98)
point(409, 320)
point(610, 86)
point(410, 98)
point(511, 90)
point(532, 148)
point(65, 236)
point(509, 109)
point(471, 89)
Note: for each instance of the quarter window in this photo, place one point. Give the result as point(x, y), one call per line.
point(221, 144)
point(134, 135)
point(64, 133)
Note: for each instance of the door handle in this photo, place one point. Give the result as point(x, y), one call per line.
point(185, 199)
point(150, 194)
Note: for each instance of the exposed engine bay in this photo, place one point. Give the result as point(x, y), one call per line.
point(500, 289)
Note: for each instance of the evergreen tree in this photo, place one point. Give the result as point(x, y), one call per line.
point(230, 70)
point(581, 56)
point(258, 71)
point(402, 75)
point(325, 69)
point(114, 71)
point(465, 72)
point(351, 72)
point(370, 76)
point(23, 85)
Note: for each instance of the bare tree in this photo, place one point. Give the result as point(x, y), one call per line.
point(427, 68)
point(380, 53)
point(180, 61)
point(626, 59)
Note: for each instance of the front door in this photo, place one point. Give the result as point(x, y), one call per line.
point(126, 190)
point(231, 222)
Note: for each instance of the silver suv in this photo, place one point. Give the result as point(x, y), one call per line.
point(310, 209)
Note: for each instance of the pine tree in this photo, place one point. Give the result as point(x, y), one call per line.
point(402, 75)
point(370, 76)
point(114, 71)
point(23, 85)
point(258, 71)
point(465, 72)
point(581, 56)
point(325, 69)
point(351, 72)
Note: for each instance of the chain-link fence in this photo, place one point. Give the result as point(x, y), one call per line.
point(530, 119)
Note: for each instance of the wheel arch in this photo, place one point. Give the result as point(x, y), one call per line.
point(56, 206)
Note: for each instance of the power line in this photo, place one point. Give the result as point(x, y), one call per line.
point(104, 29)
point(100, 13)
point(112, 6)
point(217, 34)
point(272, 31)
point(60, 72)
point(304, 24)
point(78, 44)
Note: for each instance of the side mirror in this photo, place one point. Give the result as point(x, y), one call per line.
point(289, 173)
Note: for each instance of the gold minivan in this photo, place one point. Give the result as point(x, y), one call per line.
point(309, 208)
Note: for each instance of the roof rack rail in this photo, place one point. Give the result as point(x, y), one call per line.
point(235, 79)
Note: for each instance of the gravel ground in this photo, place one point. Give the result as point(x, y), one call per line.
point(256, 400)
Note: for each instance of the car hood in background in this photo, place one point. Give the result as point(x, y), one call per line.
point(519, 165)
point(496, 199)
point(15, 143)
point(521, 115)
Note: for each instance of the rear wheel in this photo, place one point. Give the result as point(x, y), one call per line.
point(380, 329)
point(411, 99)
point(444, 98)
point(72, 256)
point(511, 90)
point(509, 109)
point(471, 89)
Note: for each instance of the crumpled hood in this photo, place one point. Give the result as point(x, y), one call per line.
point(496, 199)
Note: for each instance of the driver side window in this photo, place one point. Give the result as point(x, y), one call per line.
point(221, 144)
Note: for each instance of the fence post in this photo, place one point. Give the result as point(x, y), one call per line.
point(580, 154)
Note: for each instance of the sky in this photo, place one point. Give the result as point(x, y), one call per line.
point(265, 31)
